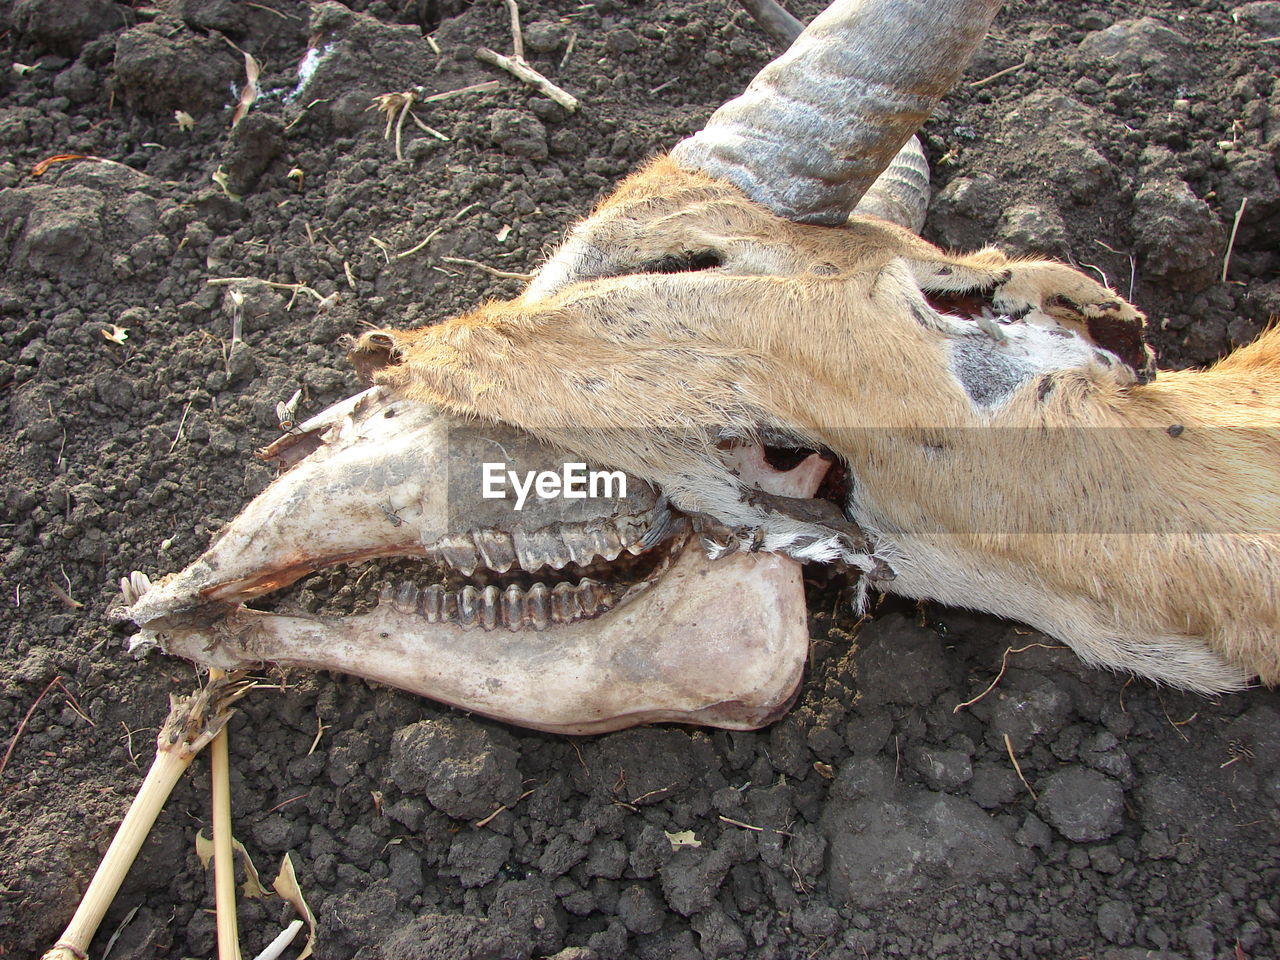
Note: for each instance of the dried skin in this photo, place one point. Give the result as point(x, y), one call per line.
point(1011, 459)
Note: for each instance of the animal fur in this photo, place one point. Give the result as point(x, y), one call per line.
point(1010, 459)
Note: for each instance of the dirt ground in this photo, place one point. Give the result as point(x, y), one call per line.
point(875, 820)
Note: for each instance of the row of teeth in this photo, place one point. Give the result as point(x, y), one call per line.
point(515, 608)
point(554, 547)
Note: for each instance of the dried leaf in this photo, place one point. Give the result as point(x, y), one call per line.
point(40, 168)
point(286, 885)
point(682, 838)
point(204, 849)
point(249, 92)
point(116, 334)
point(220, 177)
point(184, 120)
point(252, 886)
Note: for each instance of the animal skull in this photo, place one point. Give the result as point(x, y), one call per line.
point(573, 616)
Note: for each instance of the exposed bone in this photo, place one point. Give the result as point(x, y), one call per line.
point(722, 644)
point(397, 473)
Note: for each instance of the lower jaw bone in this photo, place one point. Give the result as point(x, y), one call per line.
point(718, 643)
point(722, 644)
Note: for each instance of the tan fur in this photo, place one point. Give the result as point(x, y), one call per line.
point(1072, 506)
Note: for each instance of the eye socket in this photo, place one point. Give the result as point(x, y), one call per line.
point(690, 261)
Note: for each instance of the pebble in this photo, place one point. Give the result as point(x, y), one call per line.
point(456, 765)
point(1177, 237)
point(1082, 804)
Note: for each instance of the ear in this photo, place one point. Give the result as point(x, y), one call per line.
point(372, 352)
point(998, 295)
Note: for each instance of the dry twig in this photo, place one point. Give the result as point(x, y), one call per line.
point(1004, 665)
point(998, 74)
point(1231, 244)
point(23, 725)
point(519, 68)
point(492, 271)
point(526, 74)
point(1017, 767)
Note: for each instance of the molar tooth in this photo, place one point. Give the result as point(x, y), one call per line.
point(489, 607)
point(608, 543)
point(513, 608)
point(449, 606)
point(458, 551)
point(594, 597)
point(536, 606)
point(385, 594)
point(468, 605)
point(540, 548)
point(630, 531)
point(405, 599)
point(429, 602)
point(497, 549)
point(579, 542)
point(565, 607)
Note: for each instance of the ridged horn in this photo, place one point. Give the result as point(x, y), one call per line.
point(900, 194)
point(818, 125)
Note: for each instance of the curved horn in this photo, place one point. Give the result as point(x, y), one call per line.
point(818, 125)
point(900, 194)
point(774, 20)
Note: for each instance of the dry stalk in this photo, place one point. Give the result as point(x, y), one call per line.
point(190, 726)
point(486, 87)
point(396, 107)
point(418, 246)
point(224, 868)
point(296, 289)
point(568, 51)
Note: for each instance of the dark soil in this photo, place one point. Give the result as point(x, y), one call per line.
point(874, 821)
